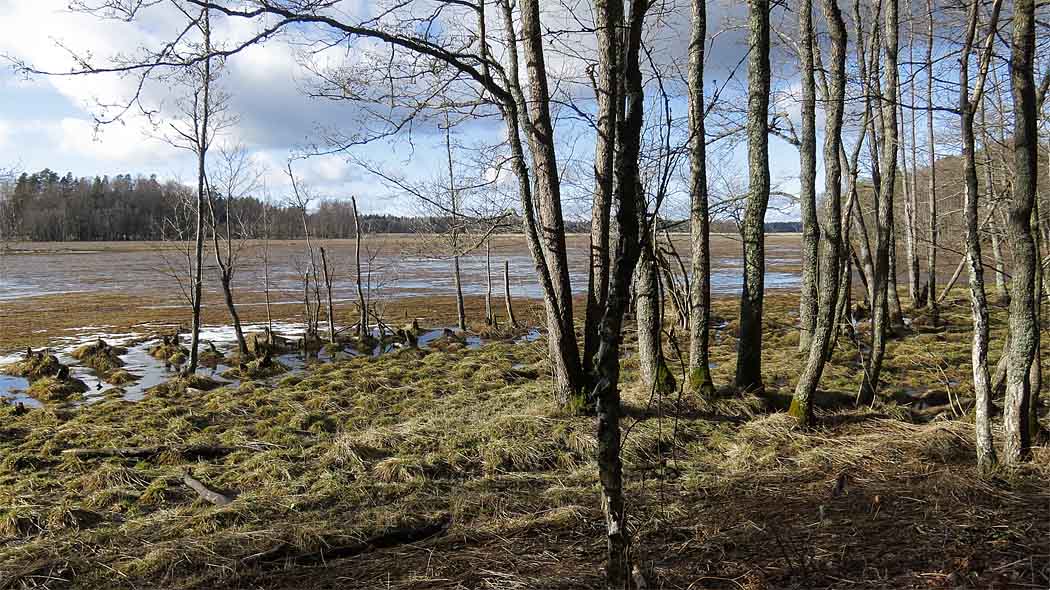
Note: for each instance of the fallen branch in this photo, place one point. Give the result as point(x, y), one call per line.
point(191, 452)
point(203, 491)
point(285, 553)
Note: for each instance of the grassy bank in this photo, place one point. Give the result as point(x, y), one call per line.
point(322, 467)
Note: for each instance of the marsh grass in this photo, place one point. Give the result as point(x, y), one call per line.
point(723, 492)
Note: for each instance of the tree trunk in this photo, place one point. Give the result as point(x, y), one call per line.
point(238, 331)
point(1035, 374)
point(978, 298)
point(655, 375)
point(328, 290)
point(1024, 333)
point(749, 345)
point(801, 406)
point(490, 318)
point(564, 351)
point(1002, 289)
point(807, 312)
point(607, 393)
point(896, 313)
point(931, 247)
point(362, 306)
point(202, 151)
point(506, 294)
point(699, 221)
point(608, 21)
point(887, 185)
point(909, 209)
point(461, 310)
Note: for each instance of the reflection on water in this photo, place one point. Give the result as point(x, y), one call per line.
point(152, 372)
point(397, 269)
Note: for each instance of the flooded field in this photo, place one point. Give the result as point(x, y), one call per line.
point(396, 266)
point(59, 296)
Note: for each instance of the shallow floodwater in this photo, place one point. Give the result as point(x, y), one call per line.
point(153, 372)
point(394, 267)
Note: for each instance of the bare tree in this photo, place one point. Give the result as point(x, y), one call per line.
point(699, 215)
point(884, 216)
point(978, 298)
point(608, 17)
point(203, 114)
point(1024, 331)
point(749, 345)
point(931, 251)
point(801, 405)
point(233, 180)
point(808, 178)
point(628, 248)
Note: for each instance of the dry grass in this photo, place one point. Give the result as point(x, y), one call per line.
point(723, 493)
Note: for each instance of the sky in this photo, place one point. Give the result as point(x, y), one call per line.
point(49, 121)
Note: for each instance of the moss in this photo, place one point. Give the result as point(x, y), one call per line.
point(262, 368)
point(100, 356)
point(35, 365)
point(799, 411)
point(121, 377)
point(700, 382)
point(168, 349)
point(665, 382)
point(53, 389)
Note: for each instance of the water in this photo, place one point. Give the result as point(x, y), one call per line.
point(153, 372)
point(394, 267)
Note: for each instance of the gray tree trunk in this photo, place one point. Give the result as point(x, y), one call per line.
point(608, 21)
point(506, 295)
point(699, 219)
point(362, 318)
point(1024, 333)
point(807, 150)
point(202, 140)
point(655, 375)
point(749, 345)
point(931, 247)
point(887, 185)
point(801, 405)
point(910, 230)
point(628, 245)
point(564, 351)
point(978, 298)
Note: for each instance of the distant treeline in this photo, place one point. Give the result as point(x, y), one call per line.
point(44, 206)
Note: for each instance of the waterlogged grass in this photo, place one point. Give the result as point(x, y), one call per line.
point(723, 493)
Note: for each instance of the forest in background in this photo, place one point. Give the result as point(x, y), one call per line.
point(46, 207)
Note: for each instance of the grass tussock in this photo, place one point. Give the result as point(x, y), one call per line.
point(723, 492)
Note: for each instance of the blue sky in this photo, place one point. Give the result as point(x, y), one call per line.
point(48, 122)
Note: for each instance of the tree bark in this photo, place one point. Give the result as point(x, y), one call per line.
point(807, 150)
point(202, 151)
point(564, 351)
point(608, 21)
point(907, 187)
point(628, 246)
point(931, 248)
point(699, 218)
point(362, 306)
point(749, 345)
point(506, 294)
point(490, 317)
point(887, 185)
point(655, 375)
point(1024, 333)
point(801, 405)
point(328, 291)
point(978, 297)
